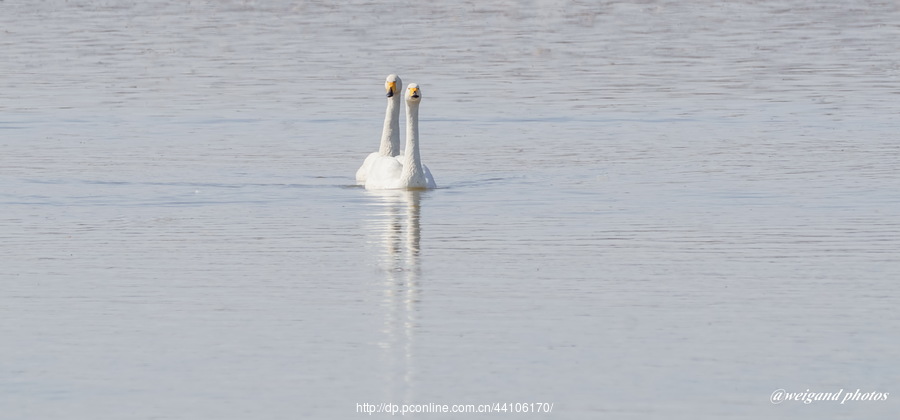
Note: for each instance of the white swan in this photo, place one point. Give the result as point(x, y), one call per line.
point(404, 171)
point(390, 134)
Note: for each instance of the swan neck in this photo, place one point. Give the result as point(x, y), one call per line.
point(412, 139)
point(390, 134)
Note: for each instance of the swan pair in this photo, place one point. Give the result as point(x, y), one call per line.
point(387, 168)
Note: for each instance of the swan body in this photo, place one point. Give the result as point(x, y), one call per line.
point(390, 134)
point(405, 171)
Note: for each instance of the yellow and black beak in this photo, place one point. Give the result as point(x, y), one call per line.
point(414, 92)
point(391, 88)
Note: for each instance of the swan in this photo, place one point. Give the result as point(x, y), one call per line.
point(390, 134)
point(404, 171)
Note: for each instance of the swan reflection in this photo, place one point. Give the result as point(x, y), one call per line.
point(397, 233)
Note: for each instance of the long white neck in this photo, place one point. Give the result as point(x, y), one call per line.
point(413, 162)
point(390, 135)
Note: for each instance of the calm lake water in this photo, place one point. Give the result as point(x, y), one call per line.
point(654, 209)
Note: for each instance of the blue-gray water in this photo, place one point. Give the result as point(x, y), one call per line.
point(657, 209)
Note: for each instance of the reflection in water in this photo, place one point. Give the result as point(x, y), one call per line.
point(396, 224)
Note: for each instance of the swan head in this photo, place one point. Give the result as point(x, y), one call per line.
point(413, 93)
point(392, 85)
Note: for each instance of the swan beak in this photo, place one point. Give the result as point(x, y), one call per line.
point(415, 93)
point(391, 87)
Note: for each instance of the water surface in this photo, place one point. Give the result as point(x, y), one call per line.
point(646, 210)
